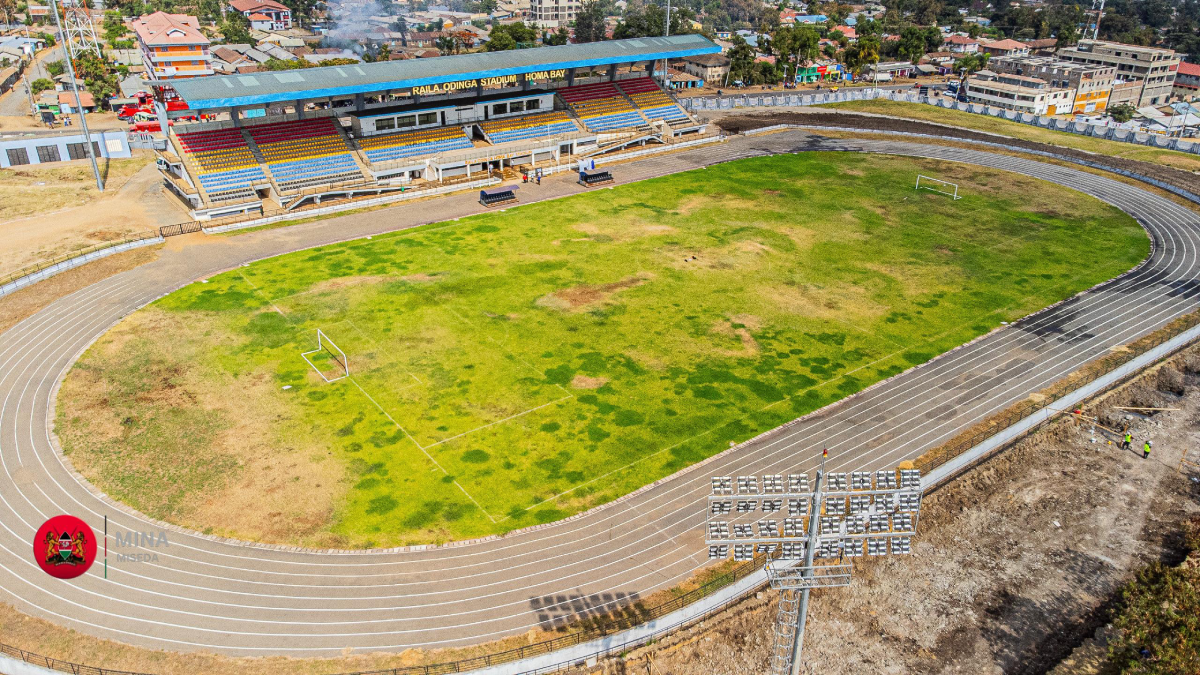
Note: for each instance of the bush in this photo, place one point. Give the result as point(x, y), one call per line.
point(1158, 618)
point(41, 84)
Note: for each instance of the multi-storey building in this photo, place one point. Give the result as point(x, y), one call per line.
point(1187, 81)
point(1019, 92)
point(172, 46)
point(1145, 75)
point(264, 14)
point(1092, 83)
point(553, 13)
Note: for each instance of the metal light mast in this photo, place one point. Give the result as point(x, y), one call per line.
point(70, 52)
point(77, 29)
point(810, 535)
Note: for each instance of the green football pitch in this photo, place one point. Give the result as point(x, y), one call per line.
point(517, 367)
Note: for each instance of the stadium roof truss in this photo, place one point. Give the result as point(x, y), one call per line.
point(227, 91)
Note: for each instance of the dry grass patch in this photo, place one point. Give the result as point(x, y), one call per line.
point(580, 297)
point(584, 382)
point(35, 189)
point(242, 463)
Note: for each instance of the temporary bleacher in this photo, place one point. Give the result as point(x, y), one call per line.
point(224, 165)
point(305, 153)
point(528, 126)
point(601, 106)
point(651, 100)
point(406, 144)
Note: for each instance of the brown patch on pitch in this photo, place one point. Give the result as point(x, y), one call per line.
point(772, 193)
point(585, 382)
point(578, 297)
point(749, 344)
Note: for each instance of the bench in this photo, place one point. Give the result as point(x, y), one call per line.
point(496, 196)
point(598, 178)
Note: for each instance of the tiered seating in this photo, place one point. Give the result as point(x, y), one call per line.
point(601, 106)
point(414, 143)
point(305, 152)
point(227, 167)
point(528, 126)
point(652, 101)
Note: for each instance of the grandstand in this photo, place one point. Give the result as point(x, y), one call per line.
point(277, 140)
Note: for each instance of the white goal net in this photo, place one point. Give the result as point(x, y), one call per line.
point(939, 186)
point(327, 359)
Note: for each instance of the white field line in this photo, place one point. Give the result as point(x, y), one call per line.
point(510, 417)
point(423, 450)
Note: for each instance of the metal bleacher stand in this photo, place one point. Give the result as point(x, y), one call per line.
point(597, 178)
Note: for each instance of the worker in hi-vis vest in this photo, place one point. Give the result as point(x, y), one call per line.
point(1146, 450)
point(1128, 444)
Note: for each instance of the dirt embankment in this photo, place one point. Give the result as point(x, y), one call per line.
point(738, 123)
point(1017, 563)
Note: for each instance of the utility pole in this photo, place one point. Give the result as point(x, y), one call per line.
point(666, 33)
point(68, 51)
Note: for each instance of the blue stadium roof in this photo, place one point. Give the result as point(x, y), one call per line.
point(272, 87)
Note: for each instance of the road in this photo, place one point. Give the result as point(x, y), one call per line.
point(16, 102)
point(242, 599)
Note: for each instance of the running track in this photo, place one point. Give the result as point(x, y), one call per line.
point(253, 600)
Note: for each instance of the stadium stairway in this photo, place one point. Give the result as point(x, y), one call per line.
point(602, 107)
point(525, 127)
point(652, 101)
point(307, 153)
point(221, 163)
point(412, 144)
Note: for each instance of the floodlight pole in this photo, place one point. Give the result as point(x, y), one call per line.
point(810, 550)
point(69, 52)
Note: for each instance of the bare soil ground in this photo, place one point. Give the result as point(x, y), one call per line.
point(1016, 564)
point(46, 212)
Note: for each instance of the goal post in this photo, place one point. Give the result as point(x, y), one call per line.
point(328, 349)
point(944, 187)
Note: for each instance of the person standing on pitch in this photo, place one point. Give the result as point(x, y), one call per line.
point(1146, 450)
point(1128, 444)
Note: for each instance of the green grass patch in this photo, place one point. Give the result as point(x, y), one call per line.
point(515, 368)
point(995, 125)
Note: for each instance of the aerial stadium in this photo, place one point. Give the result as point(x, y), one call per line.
point(445, 437)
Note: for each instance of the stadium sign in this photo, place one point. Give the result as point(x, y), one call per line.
point(448, 87)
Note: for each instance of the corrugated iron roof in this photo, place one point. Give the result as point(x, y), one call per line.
point(223, 91)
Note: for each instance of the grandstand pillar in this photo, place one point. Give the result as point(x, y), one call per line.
point(359, 103)
point(235, 116)
point(478, 88)
point(612, 73)
point(525, 82)
point(570, 77)
point(299, 109)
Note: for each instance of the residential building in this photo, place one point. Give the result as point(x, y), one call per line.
point(1019, 92)
point(1187, 81)
point(1092, 83)
point(264, 14)
point(172, 46)
point(708, 67)
point(1004, 48)
point(1145, 75)
point(961, 44)
point(553, 13)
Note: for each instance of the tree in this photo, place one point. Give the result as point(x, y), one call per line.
point(41, 84)
point(589, 22)
point(500, 41)
point(557, 38)
point(56, 68)
point(8, 11)
point(971, 63)
point(114, 26)
point(741, 60)
point(236, 29)
point(300, 64)
point(912, 43)
point(511, 36)
point(1122, 113)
